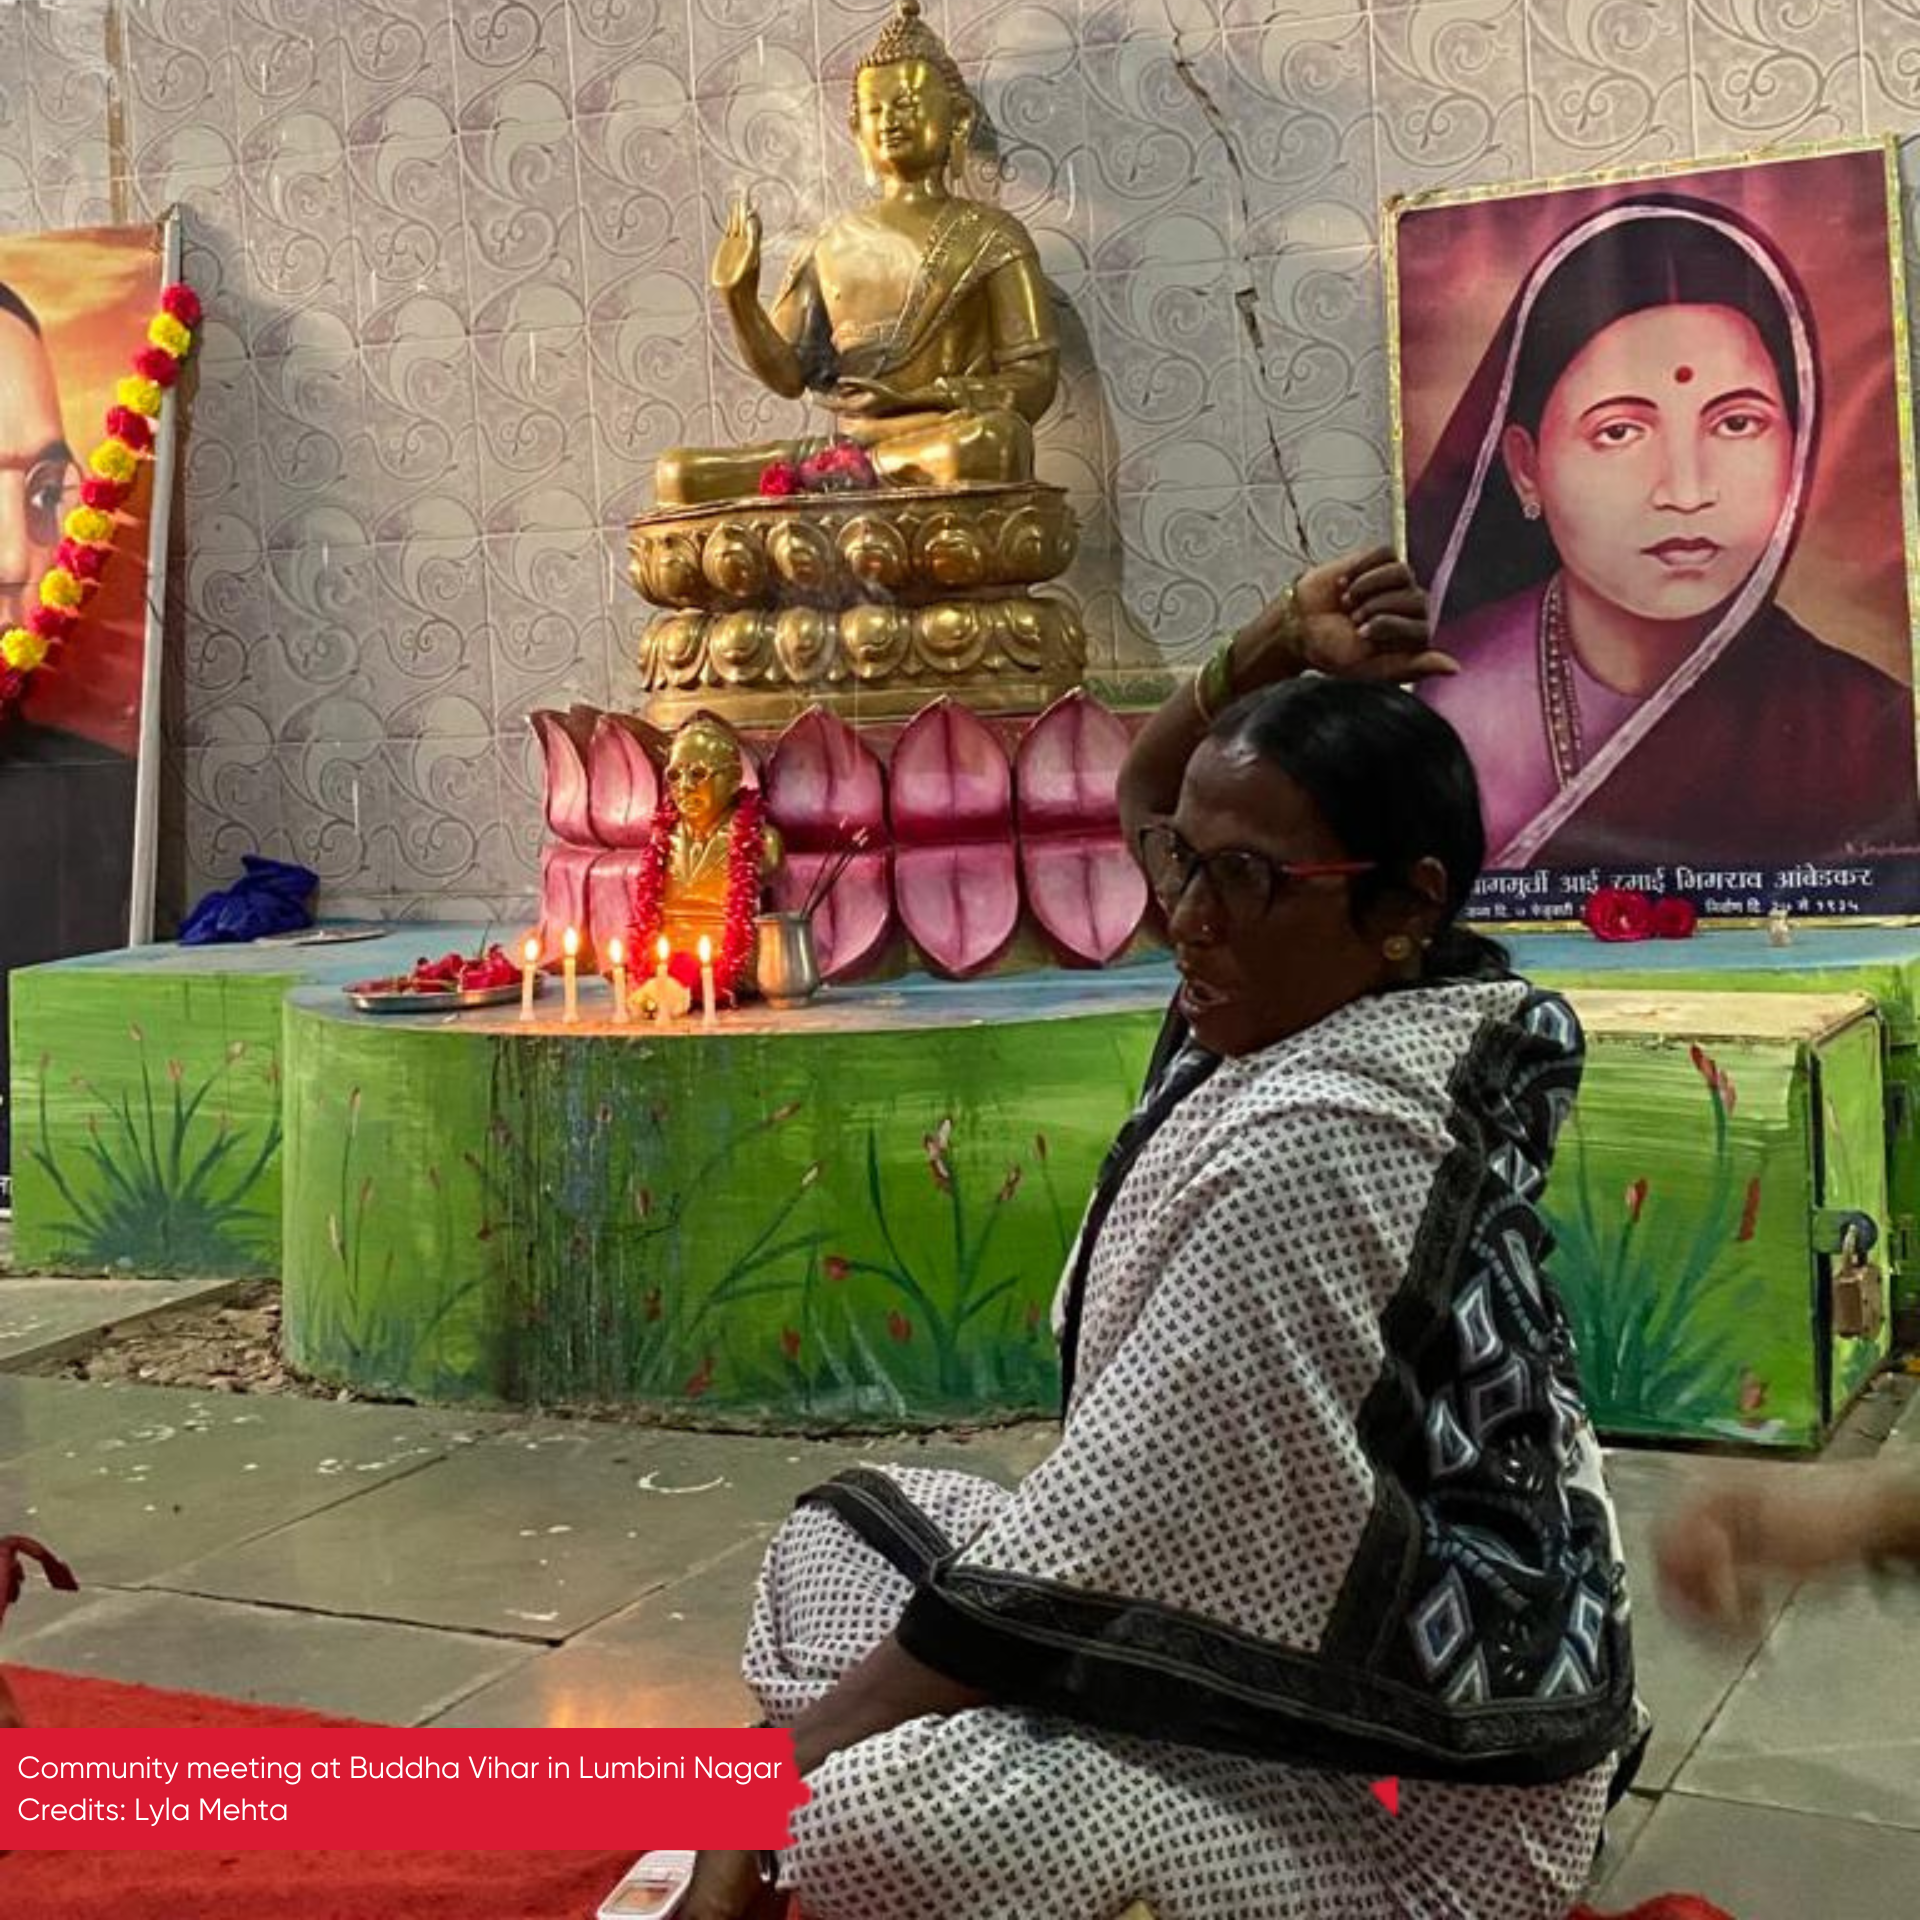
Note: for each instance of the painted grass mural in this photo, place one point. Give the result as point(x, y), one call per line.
point(147, 1142)
point(1682, 1202)
point(862, 1228)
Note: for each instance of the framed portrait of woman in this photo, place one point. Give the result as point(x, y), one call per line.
point(1653, 434)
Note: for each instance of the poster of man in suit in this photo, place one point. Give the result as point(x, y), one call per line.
point(78, 752)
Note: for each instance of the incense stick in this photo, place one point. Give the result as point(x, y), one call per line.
point(830, 871)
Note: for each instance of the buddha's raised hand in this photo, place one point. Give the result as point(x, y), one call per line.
point(736, 261)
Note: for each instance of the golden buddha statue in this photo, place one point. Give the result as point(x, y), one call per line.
point(710, 878)
point(922, 321)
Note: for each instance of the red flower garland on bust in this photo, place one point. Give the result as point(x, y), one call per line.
point(111, 470)
point(746, 848)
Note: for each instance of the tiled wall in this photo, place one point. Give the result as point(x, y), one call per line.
point(454, 251)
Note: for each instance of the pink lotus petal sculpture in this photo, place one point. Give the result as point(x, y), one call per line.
point(565, 740)
point(609, 908)
point(564, 875)
point(1082, 883)
point(623, 779)
point(955, 880)
point(823, 786)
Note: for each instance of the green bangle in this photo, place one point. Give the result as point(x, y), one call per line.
point(1213, 684)
point(1292, 630)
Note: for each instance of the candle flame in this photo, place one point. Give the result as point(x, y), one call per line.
point(663, 949)
point(531, 951)
point(706, 951)
point(616, 953)
point(570, 942)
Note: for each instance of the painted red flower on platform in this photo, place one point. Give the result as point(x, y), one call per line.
point(1619, 913)
point(1716, 1077)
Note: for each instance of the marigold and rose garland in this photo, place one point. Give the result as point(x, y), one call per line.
point(62, 592)
point(746, 848)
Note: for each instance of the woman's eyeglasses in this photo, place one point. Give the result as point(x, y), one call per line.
point(1245, 883)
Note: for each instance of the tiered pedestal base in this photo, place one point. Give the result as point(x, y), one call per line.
point(871, 604)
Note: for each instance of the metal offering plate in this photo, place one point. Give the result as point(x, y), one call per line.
point(320, 936)
point(383, 996)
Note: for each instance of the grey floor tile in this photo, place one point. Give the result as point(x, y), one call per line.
point(36, 1414)
point(1762, 1864)
point(1903, 1443)
point(39, 1317)
point(363, 1669)
point(1827, 1718)
point(1625, 1824)
point(671, 1661)
point(541, 1530)
point(1683, 1678)
point(127, 1500)
point(534, 1536)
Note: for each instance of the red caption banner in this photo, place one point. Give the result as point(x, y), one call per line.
point(235, 1788)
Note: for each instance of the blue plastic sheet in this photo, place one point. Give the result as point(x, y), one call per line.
point(273, 896)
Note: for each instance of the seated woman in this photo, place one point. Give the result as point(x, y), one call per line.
point(1326, 1505)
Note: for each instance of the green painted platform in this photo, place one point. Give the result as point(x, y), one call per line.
point(856, 1214)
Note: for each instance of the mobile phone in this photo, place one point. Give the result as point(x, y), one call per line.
point(651, 1889)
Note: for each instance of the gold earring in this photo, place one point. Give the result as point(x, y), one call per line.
point(1398, 948)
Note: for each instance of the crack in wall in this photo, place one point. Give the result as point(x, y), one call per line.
point(1246, 297)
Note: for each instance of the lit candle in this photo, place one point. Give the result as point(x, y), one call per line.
point(663, 952)
point(706, 981)
point(570, 974)
point(529, 973)
point(618, 955)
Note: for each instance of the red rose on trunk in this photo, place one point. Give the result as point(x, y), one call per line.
point(779, 480)
point(1674, 918)
point(1619, 913)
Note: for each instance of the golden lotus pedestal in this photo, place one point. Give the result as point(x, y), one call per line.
point(868, 603)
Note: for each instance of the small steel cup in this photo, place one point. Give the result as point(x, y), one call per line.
point(785, 967)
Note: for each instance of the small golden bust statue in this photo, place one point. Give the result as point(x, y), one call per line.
point(719, 851)
point(922, 321)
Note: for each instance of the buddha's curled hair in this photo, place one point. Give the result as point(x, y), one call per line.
point(907, 37)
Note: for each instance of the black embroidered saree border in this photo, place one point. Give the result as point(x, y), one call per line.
point(1134, 1667)
point(1350, 1703)
point(881, 1512)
